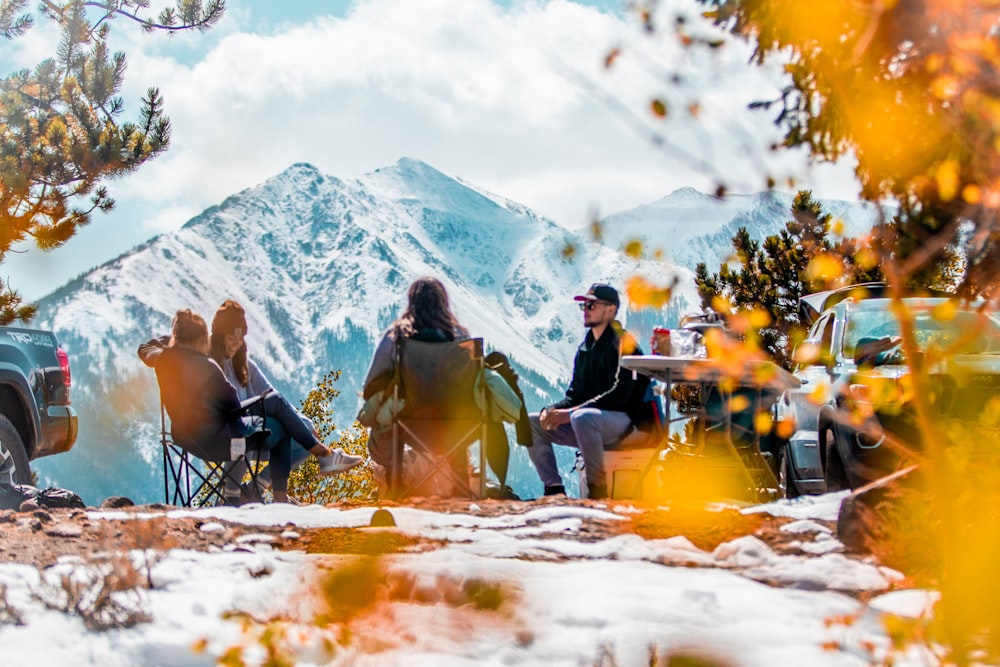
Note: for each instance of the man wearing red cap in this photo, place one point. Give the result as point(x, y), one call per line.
point(602, 402)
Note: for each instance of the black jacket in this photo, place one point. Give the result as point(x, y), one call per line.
point(596, 373)
point(203, 407)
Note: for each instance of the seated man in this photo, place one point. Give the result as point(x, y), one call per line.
point(203, 406)
point(602, 402)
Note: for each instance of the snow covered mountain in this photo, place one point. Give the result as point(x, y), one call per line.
point(692, 227)
point(322, 265)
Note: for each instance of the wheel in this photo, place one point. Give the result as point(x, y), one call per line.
point(833, 471)
point(14, 467)
point(786, 476)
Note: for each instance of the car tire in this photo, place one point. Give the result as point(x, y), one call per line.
point(833, 470)
point(14, 468)
point(786, 475)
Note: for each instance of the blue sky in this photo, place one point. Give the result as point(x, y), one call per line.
point(509, 95)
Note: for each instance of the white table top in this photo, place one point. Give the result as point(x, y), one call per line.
point(756, 373)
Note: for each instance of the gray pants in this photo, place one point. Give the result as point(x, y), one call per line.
point(589, 429)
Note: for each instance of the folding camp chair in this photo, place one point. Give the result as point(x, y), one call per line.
point(440, 417)
point(193, 476)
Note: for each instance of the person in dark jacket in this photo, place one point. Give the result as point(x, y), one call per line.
point(204, 407)
point(201, 404)
point(603, 402)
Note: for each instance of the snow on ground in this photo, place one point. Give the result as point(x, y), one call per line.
point(551, 598)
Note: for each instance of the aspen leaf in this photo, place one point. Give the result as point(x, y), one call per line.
point(972, 194)
point(946, 176)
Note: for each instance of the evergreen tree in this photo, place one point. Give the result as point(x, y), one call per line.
point(771, 276)
point(61, 133)
point(909, 88)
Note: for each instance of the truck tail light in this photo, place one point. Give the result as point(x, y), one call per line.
point(63, 359)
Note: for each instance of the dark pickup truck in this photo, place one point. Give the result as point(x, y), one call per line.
point(36, 418)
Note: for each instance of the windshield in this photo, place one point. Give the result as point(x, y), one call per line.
point(968, 332)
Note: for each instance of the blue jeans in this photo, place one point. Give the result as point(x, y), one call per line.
point(291, 436)
point(589, 430)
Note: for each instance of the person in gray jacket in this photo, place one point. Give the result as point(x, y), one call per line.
point(229, 350)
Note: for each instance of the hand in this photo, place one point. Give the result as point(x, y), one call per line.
point(551, 418)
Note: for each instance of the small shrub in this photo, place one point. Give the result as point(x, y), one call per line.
point(105, 595)
point(305, 482)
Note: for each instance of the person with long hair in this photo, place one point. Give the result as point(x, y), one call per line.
point(427, 318)
point(229, 349)
point(199, 401)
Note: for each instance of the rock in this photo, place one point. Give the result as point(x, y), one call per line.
point(114, 502)
point(382, 518)
point(64, 530)
point(862, 521)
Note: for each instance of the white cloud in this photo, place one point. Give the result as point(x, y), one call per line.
point(474, 89)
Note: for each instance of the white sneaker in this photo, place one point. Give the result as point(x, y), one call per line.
point(337, 462)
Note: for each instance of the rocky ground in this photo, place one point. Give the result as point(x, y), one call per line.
point(42, 536)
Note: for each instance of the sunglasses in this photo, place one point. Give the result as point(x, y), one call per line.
point(590, 305)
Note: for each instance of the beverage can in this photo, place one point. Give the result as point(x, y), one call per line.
point(660, 341)
point(237, 448)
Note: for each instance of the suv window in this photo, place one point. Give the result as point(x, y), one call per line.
point(826, 353)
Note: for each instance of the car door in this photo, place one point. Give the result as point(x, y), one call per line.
point(817, 358)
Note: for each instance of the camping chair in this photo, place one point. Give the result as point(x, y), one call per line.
point(186, 483)
point(440, 417)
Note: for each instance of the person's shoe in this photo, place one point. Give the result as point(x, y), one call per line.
point(555, 490)
point(337, 462)
point(597, 491)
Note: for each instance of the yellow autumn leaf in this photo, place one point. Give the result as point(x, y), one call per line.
point(762, 422)
point(972, 194)
point(866, 258)
point(597, 231)
point(659, 108)
point(825, 267)
point(946, 176)
point(642, 293)
point(945, 87)
point(945, 311)
point(759, 318)
point(738, 403)
point(819, 393)
point(633, 249)
point(720, 304)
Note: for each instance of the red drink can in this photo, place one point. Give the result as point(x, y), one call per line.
point(660, 341)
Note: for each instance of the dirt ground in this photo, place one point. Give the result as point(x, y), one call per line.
point(41, 537)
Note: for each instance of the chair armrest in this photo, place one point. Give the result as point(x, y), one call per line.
point(253, 401)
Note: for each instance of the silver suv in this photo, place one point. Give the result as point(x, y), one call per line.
point(856, 389)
